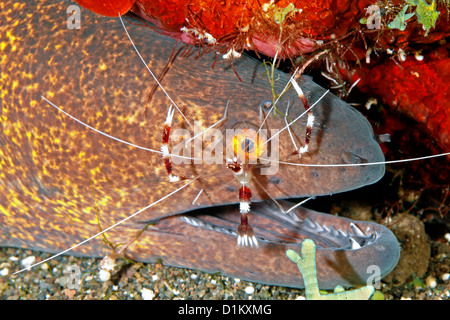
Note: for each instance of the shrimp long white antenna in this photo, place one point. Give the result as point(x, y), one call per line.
point(358, 164)
point(289, 129)
point(270, 196)
point(150, 71)
point(105, 134)
point(109, 228)
point(299, 204)
point(198, 195)
point(297, 73)
point(296, 119)
point(225, 113)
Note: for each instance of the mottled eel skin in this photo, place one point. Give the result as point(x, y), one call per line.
point(47, 203)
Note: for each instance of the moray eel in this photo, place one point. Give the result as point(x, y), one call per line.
point(48, 161)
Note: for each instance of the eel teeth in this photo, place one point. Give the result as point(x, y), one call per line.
point(342, 233)
point(293, 216)
point(357, 231)
point(310, 223)
point(333, 231)
point(319, 227)
point(192, 222)
point(355, 244)
point(201, 224)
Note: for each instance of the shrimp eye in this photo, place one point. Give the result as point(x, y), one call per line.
point(247, 145)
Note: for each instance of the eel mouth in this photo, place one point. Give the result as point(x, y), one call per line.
point(349, 253)
point(327, 231)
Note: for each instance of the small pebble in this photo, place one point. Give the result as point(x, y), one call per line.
point(249, 290)
point(147, 294)
point(104, 275)
point(4, 272)
point(62, 281)
point(108, 263)
point(175, 291)
point(445, 276)
point(28, 261)
point(70, 293)
point(447, 237)
point(431, 282)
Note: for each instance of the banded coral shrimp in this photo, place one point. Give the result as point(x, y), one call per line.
point(122, 180)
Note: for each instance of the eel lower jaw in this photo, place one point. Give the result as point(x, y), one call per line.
point(205, 239)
